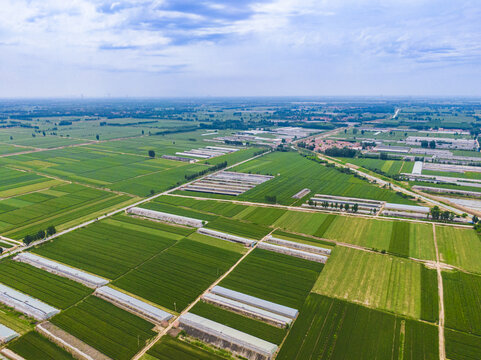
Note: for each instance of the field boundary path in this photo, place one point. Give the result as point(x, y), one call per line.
point(442, 345)
point(186, 310)
point(38, 242)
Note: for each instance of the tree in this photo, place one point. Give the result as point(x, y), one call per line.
point(152, 153)
point(310, 202)
point(11, 137)
point(362, 132)
point(475, 219)
point(432, 144)
point(28, 239)
point(383, 156)
point(40, 234)
point(152, 191)
point(97, 136)
point(424, 144)
point(345, 131)
point(51, 230)
point(355, 208)
point(346, 206)
point(435, 212)
point(355, 131)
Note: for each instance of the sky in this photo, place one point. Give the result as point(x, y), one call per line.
point(164, 48)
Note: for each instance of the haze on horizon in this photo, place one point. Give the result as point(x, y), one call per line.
point(54, 48)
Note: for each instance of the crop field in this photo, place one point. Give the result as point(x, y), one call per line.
point(177, 210)
point(9, 149)
point(462, 346)
point(389, 167)
point(178, 275)
point(279, 278)
point(334, 329)
point(465, 175)
point(15, 182)
point(379, 281)
point(61, 206)
point(107, 328)
point(33, 346)
point(459, 247)
point(222, 244)
point(15, 320)
point(248, 325)
point(462, 301)
point(248, 230)
point(169, 348)
point(54, 290)
point(261, 215)
point(135, 174)
point(407, 239)
point(294, 173)
point(303, 239)
point(209, 206)
point(112, 247)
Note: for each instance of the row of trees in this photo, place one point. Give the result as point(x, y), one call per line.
point(335, 205)
point(437, 214)
point(29, 238)
point(203, 172)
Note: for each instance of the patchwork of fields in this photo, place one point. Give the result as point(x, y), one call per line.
point(294, 173)
point(62, 206)
point(373, 299)
point(334, 329)
point(107, 328)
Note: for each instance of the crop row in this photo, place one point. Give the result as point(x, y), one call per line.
point(178, 275)
point(334, 329)
point(108, 248)
point(113, 331)
point(33, 346)
point(279, 278)
point(52, 289)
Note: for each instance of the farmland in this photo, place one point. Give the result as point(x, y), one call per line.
point(389, 167)
point(375, 297)
point(462, 346)
point(462, 301)
point(62, 206)
point(33, 346)
point(248, 230)
point(114, 332)
point(169, 348)
point(253, 327)
point(52, 289)
point(279, 278)
point(107, 248)
point(459, 247)
point(175, 277)
point(297, 173)
point(387, 283)
point(334, 329)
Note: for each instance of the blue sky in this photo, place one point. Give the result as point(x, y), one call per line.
point(100, 48)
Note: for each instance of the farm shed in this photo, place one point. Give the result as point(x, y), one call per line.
point(179, 158)
point(255, 301)
point(54, 267)
point(225, 337)
point(7, 334)
point(227, 183)
point(162, 216)
point(293, 252)
point(26, 304)
point(402, 207)
point(248, 310)
point(299, 246)
point(417, 168)
point(224, 236)
point(139, 307)
point(301, 194)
